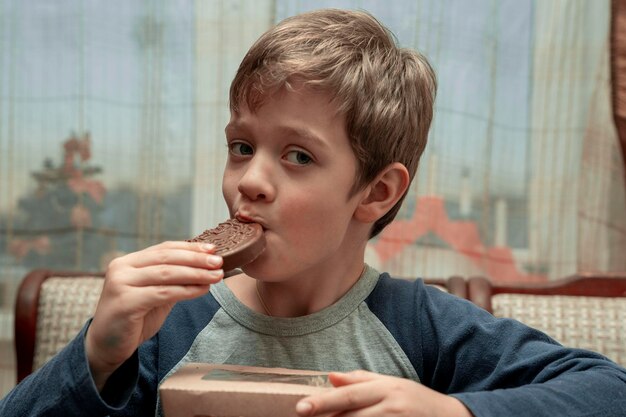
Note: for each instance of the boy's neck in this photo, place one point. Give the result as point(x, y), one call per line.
point(298, 296)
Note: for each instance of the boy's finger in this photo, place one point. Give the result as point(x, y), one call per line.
point(181, 244)
point(346, 398)
point(162, 275)
point(173, 256)
point(156, 296)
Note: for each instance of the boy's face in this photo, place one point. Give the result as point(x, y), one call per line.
point(291, 168)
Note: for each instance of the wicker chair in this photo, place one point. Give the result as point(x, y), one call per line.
point(51, 308)
point(585, 311)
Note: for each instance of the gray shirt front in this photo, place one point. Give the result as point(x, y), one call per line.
point(342, 337)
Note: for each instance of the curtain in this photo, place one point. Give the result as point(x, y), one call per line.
point(618, 69)
point(112, 117)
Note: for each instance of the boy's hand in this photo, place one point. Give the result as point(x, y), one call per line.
point(367, 394)
point(139, 291)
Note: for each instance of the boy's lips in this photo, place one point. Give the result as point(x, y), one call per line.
point(249, 219)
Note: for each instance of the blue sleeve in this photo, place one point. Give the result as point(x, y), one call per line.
point(496, 367)
point(64, 387)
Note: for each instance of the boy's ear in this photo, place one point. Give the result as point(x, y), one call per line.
point(382, 193)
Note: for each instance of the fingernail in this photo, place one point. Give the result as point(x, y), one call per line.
point(213, 260)
point(208, 246)
point(304, 408)
point(216, 273)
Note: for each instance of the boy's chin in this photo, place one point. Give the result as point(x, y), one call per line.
point(256, 269)
point(265, 271)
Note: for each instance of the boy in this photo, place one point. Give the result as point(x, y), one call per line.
point(328, 120)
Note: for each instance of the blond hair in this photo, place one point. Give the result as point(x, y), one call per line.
point(385, 92)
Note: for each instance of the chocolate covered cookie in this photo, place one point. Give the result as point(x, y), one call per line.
point(237, 242)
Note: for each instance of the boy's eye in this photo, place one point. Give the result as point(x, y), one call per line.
point(298, 157)
point(240, 148)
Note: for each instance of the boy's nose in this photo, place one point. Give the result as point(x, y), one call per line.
point(256, 182)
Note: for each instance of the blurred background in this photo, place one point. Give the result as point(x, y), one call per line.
point(112, 116)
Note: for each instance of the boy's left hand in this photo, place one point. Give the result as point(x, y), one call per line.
point(367, 394)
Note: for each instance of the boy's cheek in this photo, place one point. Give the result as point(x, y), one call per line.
point(229, 195)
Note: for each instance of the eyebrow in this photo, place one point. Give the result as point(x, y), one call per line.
point(303, 133)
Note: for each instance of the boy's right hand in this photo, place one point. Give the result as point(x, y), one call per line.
point(139, 292)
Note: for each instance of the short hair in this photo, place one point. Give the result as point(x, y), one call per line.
point(385, 92)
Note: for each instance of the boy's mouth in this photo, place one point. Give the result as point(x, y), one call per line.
point(247, 219)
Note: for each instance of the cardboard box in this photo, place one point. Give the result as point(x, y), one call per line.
point(207, 390)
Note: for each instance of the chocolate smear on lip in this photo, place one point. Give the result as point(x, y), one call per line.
point(238, 243)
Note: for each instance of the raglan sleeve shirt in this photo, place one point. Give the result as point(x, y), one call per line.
point(496, 367)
